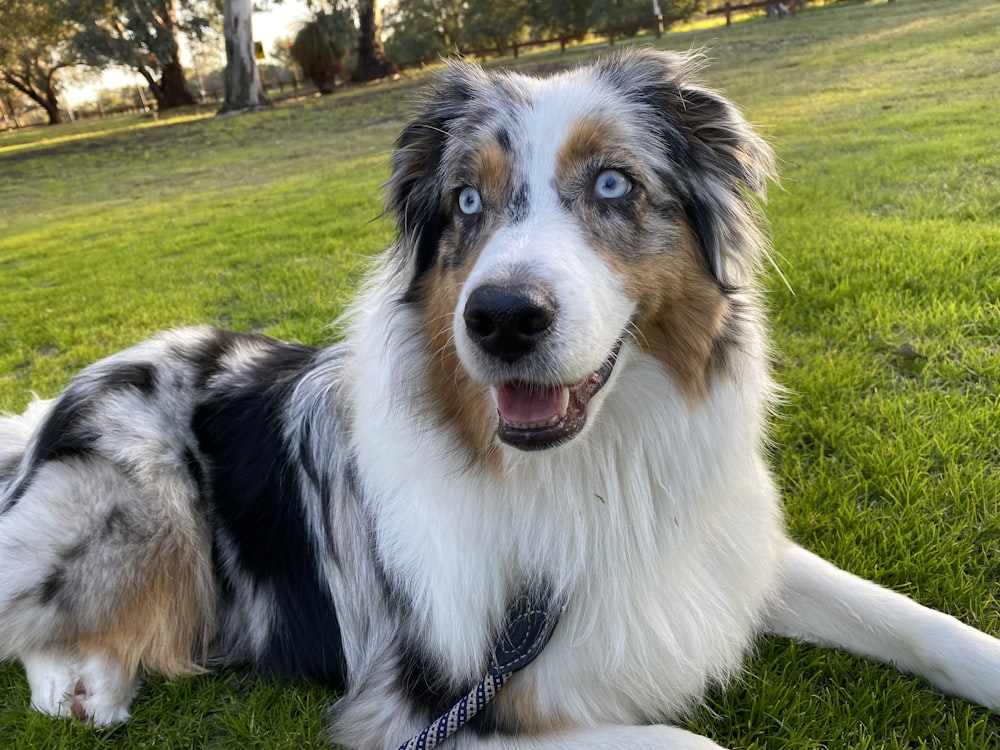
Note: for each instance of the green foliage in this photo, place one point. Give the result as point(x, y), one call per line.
point(142, 35)
point(604, 13)
point(548, 17)
point(321, 47)
point(34, 46)
point(281, 53)
point(429, 28)
point(494, 23)
point(885, 227)
point(684, 9)
point(115, 33)
point(423, 29)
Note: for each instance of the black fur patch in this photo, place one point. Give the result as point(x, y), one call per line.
point(429, 689)
point(733, 335)
point(254, 497)
point(138, 375)
point(519, 206)
point(207, 356)
point(432, 223)
point(65, 432)
point(194, 468)
point(52, 586)
point(63, 435)
point(701, 219)
point(413, 195)
point(16, 493)
point(426, 684)
point(503, 141)
point(429, 693)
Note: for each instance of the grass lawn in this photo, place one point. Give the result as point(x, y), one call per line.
point(886, 326)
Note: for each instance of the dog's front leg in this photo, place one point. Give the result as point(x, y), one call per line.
point(825, 605)
point(375, 716)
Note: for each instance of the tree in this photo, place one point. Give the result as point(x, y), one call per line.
point(372, 60)
point(424, 29)
point(604, 13)
point(281, 53)
point(244, 91)
point(569, 18)
point(143, 35)
point(683, 8)
point(320, 48)
point(495, 23)
point(34, 47)
point(12, 102)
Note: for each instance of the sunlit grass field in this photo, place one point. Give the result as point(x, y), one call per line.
point(883, 292)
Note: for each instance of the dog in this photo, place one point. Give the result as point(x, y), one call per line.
point(553, 388)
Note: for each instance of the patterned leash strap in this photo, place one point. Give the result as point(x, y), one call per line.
point(529, 626)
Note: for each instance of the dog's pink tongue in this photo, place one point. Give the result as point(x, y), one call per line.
point(523, 404)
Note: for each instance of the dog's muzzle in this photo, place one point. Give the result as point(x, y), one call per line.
point(509, 323)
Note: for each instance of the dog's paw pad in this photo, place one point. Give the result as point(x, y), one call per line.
point(76, 703)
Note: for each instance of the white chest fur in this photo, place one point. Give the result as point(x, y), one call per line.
point(658, 525)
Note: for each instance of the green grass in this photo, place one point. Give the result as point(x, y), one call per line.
point(887, 335)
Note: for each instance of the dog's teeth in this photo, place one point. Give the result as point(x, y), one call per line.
point(563, 408)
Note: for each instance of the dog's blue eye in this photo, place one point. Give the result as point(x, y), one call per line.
point(469, 202)
point(611, 183)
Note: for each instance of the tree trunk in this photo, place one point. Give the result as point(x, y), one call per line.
point(9, 121)
point(154, 85)
point(172, 90)
point(244, 91)
point(51, 104)
point(372, 60)
point(46, 99)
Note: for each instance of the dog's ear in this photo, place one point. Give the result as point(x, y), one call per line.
point(727, 222)
point(720, 165)
point(413, 191)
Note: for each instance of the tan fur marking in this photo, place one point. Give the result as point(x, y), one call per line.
point(587, 137)
point(681, 312)
point(519, 711)
point(492, 169)
point(164, 610)
point(464, 405)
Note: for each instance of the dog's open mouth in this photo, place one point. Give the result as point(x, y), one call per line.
point(535, 417)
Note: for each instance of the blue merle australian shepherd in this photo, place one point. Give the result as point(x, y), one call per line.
point(549, 400)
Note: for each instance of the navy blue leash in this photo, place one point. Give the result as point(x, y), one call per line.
point(531, 622)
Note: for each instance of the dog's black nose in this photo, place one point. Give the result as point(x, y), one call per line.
point(508, 321)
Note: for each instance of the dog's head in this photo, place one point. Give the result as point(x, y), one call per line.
point(549, 225)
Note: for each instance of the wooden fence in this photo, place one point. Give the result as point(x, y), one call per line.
point(728, 9)
point(655, 24)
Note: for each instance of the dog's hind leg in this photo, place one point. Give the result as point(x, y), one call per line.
point(102, 578)
point(822, 604)
point(93, 690)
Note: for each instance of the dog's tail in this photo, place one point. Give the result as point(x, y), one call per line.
point(15, 433)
